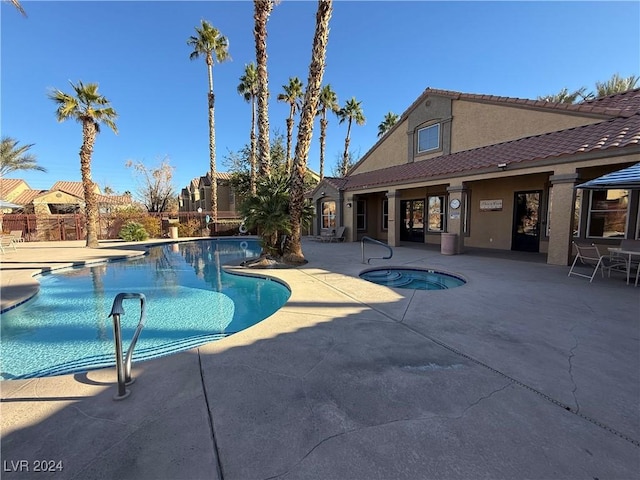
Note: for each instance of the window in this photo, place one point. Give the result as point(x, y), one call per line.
point(329, 214)
point(385, 214)
point(436, 214)
point(576, 214)
point(549, 204)
point(361, 215)
point(429, 138)
point(608, 213)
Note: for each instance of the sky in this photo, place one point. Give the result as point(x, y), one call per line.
point(383, 53)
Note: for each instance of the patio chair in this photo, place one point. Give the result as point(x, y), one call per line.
point(338, 235)
point(17, 235)
point(327, 235)
point(590, 256)
point(628, 244)
point(6, 241)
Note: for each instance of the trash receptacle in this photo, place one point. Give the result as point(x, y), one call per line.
point(173, 232)
point(449, 244)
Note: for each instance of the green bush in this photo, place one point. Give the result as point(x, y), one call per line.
point(190, 228)
point(133, 232)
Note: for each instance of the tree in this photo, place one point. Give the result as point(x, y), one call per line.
point(213, 46)
point(293, 96)
point(156, 191)
point(351, 111)
point(340, 167)
point(248, 88)
point(262, 10)
point(305, 129)
point(90, 109)
point(13, 157)
point(328, 102)
point(390, 119)
point(16, 4)
point(564, 96)
point(616, 84)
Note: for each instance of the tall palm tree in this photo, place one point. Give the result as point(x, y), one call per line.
point(328, 102)
point(16, 4)
point(262, 10)
point(305, 129)
point(390, 119)
point(352, 111)
point(616, 84)
point(13, 157)
point(293, 96)
point(211, 44)
point(248, 88)
point(90, 109)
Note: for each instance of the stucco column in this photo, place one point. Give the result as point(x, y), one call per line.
point(395, 219)
point(455, 216)
point(349, 216)
point(563, 199)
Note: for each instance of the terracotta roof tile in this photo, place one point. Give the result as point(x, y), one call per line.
point(26, 197)
point(615, 133)
point(8, 184)
point(72, 188)
point(627, 101)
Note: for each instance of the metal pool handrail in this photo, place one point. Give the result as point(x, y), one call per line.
point(123, 366)
point(373, 240)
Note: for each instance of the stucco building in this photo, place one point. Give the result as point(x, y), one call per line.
point(492, 172)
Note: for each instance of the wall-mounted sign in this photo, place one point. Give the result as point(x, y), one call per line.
point(490, 205)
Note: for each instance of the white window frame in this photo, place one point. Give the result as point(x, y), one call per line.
point(385, 214)
point(361, 215)
point(425, 129)
point(442, 213)
point(594, 210)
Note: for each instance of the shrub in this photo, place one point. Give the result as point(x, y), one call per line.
point(191, 228)
point(133, 232)
point(152, 225)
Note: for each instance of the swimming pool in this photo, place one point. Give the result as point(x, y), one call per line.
point(191, 300)
point(412, 278)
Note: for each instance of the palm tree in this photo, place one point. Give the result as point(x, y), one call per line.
point(564, 96)
point(16, 4)
point(390, 119)
point(328, 102)
point(262, 10)
point(248, 88)
point(305, 129)
point(211, 44)
point(351, 111)
point(616, 84)
point(293, 96)
point(13, 157)
point(90, 109)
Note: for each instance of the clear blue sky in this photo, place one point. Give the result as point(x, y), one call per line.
point(382, 52)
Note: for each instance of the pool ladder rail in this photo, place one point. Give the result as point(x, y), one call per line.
point(373, 240)
point(123, 365)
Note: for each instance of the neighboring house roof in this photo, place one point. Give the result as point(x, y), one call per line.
point(72, 188)
point(616, 133)
point(7, 185)
point(114, 199)
point(26, 197)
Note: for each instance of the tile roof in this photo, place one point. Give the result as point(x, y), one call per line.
point(615, 133)
point(26, 197)
point(8, 184)
point(72, 188)
point(627, 101)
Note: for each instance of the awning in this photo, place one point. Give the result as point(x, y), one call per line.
point(4, 204)
point(625, 179)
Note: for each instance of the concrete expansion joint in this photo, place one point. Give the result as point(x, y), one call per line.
point(575, 386)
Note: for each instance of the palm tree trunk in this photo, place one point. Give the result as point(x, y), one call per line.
point(305, 128)
point(212, 152)
point(323, 138)
point(89, 132)
point(345, 155)
point(289, 140)
point(252, 153)
point(262, 9)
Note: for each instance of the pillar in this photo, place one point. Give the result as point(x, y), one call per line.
point(561, 218)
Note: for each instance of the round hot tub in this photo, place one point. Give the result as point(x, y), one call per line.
point(412, 278)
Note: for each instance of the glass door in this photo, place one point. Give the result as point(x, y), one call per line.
point(412, 228)
point(526, 222)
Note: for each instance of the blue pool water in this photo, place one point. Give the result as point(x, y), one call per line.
point(190, 301)
point(413, 278)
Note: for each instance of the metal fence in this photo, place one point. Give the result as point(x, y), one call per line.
point(73, 226)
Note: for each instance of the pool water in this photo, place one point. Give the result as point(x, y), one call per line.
point(191, 300)
point(412, 278)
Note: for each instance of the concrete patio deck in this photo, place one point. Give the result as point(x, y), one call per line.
point(520, 373)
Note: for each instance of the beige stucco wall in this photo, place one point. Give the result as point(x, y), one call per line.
point(492, 229)
point(391, 151)
point(479, 124)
